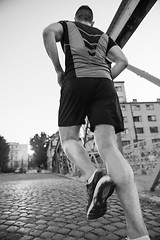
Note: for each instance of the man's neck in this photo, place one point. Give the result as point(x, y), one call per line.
point(86, 23)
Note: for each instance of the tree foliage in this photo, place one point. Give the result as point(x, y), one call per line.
point(39, 145)
point(4, 154)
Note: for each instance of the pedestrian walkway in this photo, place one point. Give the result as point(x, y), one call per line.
point(49, 206)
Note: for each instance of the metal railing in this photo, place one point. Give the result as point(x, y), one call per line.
point(143, 156)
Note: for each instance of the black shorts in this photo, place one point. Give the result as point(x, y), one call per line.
point(95, 98)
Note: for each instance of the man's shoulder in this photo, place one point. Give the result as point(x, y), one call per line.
point(65, 21)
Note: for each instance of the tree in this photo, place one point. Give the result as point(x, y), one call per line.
point(4, 154)
point(39, 145)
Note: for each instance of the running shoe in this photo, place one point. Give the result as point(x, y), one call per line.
point(98, 191)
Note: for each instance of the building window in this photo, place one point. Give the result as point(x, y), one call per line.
point(134, 100)
point(151, 118)
point(123, 107)
point(118, 88)
point(139, 130)
point(125, 131)
point(155, 140)
point(137, 119)
point(142, 143)
point(121, 99)
point(154, 129)
point(136, 107)
point(126, 142)
point(149, 106)
point(125, 119)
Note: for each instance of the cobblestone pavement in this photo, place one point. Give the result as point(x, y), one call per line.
point(48, 206)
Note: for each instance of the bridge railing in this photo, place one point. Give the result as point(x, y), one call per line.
point(143, 156)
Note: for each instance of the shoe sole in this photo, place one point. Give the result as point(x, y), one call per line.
point(101, 191)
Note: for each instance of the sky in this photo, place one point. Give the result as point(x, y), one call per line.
point(29, 93)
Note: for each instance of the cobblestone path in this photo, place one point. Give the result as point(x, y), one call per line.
point(53, 207)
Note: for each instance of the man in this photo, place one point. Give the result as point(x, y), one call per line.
point(87, 89)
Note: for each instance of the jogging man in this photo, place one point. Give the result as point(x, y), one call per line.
point(87, 89)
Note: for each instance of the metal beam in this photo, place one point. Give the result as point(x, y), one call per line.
point(121, 17)
point(127, 18)
point(144, 74)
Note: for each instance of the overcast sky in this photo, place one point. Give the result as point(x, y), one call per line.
point(29, 93)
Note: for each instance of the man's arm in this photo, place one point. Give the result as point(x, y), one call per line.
point(52, 34)
point(116, 55)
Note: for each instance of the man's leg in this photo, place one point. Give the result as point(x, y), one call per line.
point(122, 174)
point(99, 186)
point(75, 152)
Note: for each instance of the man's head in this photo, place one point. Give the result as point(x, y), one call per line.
point(84, 14)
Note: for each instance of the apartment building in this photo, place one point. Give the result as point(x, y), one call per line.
point(18, 155)
point(120, 88)
point(141, 119)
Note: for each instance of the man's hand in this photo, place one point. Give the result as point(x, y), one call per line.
point(60, 78)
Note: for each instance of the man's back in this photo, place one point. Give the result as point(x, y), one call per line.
point(85, 48)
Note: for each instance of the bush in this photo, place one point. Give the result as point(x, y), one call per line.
point(8, 170)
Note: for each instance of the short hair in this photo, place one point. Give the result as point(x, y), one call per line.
point(84, 13)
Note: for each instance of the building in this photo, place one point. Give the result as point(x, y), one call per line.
point(141, 119)
point(119, 86)
point(142, 122)
point(18, 155)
